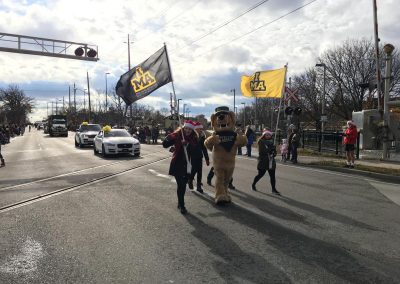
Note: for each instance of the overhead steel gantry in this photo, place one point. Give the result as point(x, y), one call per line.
point(48, 47)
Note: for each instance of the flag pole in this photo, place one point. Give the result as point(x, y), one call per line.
point(280, 104)
point(189, 165)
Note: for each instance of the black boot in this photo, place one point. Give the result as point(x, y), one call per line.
point(182, 209)
point(199, 189)
point(190, 183)
point(253, 187)
point(274, 191)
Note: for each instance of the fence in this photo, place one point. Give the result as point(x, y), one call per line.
point(328, 142)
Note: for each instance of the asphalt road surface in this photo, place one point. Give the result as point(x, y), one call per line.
point(68, 216)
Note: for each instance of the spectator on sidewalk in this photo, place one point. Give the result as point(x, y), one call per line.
point(266, 160)
point(2, 142)
point(239, 131)
point(284, 150)
point(349, 140)
point(295, 142)
point(250, 139)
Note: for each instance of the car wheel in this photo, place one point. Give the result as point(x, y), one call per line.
point(136, 154)
point(103, 151)
point(76, 143)
point(80, 144)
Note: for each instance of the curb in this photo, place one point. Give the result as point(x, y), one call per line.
point(378, 176)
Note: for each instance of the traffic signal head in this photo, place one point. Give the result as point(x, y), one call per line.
point(297, 111)
point(288, 110)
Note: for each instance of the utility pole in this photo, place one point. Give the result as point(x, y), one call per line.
point(378, 66)
point(129, 68)
point(388, 48)
point(69, 99)
point(88, 86)
point(74, 99)
point(244, 115)
point(234, 100)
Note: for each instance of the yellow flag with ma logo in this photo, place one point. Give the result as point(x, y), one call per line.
point(264, 84)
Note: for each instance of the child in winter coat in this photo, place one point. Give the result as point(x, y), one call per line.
point(284, 150)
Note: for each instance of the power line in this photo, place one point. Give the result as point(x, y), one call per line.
point(252, 31)
point(224, 24)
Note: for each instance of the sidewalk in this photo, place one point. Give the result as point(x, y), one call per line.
point(383, 170)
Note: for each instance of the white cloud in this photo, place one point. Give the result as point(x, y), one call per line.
point(297, 39)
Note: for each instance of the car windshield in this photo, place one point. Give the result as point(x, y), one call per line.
point(58, 121)
point(85, 128)
point(117, 133)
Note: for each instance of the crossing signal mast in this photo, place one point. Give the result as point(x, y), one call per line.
point(48, 47)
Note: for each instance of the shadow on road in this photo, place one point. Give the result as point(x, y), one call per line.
point(237, 265)
point(311, 251)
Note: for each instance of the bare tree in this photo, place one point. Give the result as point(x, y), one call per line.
point(16, 104)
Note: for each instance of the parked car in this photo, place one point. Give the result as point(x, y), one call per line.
point(116, 141)
point(85, 134)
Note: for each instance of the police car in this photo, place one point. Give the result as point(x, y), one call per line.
point(85, 134)
point(116, 141)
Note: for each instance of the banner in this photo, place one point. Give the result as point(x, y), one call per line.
point(144, 78)
point(264, 84)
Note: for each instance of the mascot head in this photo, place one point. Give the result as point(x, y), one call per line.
point(223, 119)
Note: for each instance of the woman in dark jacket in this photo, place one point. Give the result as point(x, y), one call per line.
point(266, 160)
point(179, 139)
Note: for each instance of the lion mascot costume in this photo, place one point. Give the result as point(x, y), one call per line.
point(224, 143)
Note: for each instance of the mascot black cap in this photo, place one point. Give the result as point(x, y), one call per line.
point(222, 109)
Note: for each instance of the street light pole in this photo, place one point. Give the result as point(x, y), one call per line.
point(106, 89)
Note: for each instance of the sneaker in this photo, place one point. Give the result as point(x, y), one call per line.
point(274, 191)
point(190, 183)
point(199, 189)
point(253, 187)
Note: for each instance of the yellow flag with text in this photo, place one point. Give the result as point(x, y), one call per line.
point(264, 84)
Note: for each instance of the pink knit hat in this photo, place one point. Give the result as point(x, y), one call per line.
point(266, 133)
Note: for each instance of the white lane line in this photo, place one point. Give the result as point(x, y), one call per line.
point(154, 172)
point(329, 172)
point(25, 262)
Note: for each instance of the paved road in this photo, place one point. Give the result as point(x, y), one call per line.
point(125, 228)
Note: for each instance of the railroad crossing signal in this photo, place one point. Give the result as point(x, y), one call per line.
point(291, 95)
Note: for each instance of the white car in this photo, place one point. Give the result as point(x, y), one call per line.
point(116, 141)
point(85, 134)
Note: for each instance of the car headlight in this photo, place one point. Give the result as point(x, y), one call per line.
point(85, 136)
point(136, 144)
point(109, 144)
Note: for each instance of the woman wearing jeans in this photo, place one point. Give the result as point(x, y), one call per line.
point(266, 160)
point(179, 139)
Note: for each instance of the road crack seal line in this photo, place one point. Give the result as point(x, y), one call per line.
point(74, 187)
point(25, 262)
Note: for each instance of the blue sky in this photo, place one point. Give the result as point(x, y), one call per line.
point(204, 70)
